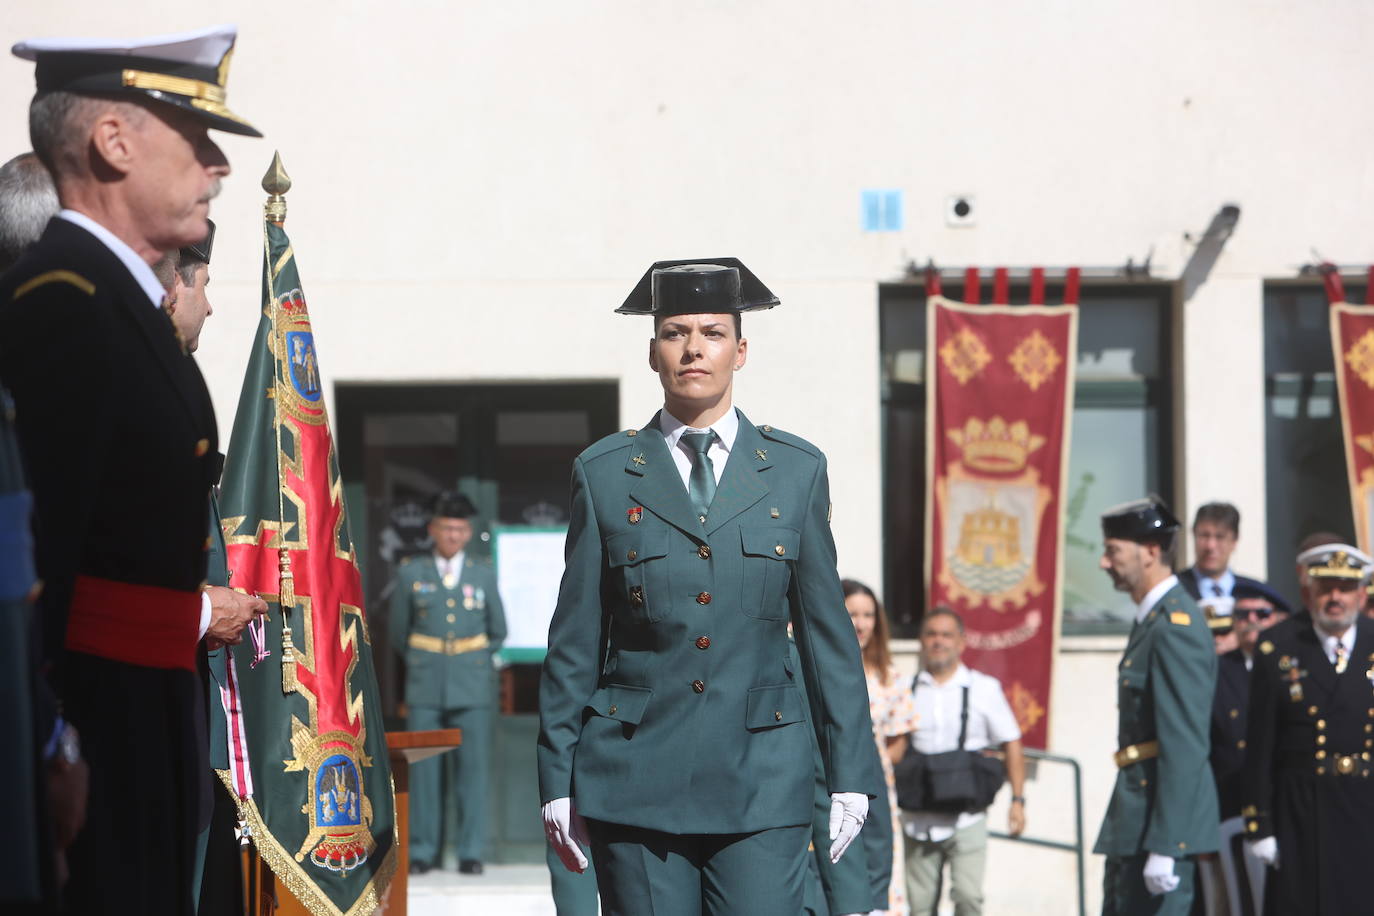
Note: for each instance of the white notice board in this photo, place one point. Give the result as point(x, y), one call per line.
point(529, 568)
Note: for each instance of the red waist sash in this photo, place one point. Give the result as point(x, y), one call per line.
point(136, 624)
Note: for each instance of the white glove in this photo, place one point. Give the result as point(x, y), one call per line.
point(1266, 850)
point(848, 811)
point(1159, 874)
point(565, 829)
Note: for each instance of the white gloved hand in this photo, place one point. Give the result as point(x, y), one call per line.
point(1266, 850)
point(848, 811)
point(1159, 874)
point(565, 829)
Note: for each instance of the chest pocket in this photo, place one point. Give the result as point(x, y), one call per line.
point(639, 567)
point(1131, 684)
point(769, 552)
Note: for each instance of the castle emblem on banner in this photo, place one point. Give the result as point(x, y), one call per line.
point(992, 504)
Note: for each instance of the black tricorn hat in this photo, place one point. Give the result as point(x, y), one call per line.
point(453, 505)
point(200, 251)
point(697, 286)
point(188, 70)
point(1145, 520)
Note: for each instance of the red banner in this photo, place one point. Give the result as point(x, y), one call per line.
point(1352, 344)
point(999, 402)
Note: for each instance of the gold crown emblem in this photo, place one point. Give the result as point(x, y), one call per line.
point(996, 446)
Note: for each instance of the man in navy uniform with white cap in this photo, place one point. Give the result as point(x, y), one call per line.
point(1163, 811)
point(117, 430)
point(673, 735)
point(1308, 779)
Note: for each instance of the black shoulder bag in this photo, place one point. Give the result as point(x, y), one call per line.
point(951, 782)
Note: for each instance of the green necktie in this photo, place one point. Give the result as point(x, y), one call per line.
point(701, 484)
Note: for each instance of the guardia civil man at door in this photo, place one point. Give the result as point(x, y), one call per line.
point(1163, 810)
point(673, 740)
point(447, 619)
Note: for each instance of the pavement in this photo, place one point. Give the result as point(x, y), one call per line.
point(501, 890)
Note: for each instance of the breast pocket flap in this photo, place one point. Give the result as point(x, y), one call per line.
point(773, 542)
point(621, 702)
point(772, 706)
point(634, 547)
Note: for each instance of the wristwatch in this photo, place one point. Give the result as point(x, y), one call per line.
point(1018, 798)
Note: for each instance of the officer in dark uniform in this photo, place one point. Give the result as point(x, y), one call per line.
point(1309, 791)
point(1256, 606)
point(447, 620)
point(117, 430)
point(1163, 811)
point(670, 715)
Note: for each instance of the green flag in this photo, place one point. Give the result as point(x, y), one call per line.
point(315, 787)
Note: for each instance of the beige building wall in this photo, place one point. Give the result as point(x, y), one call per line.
point(477, 185)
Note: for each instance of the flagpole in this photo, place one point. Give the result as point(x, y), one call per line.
point(276, 183)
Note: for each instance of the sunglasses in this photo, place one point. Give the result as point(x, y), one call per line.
point(1245, 613)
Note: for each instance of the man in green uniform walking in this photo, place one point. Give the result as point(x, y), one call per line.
point(672, 737)
point(1163, 811)
point(446, 619)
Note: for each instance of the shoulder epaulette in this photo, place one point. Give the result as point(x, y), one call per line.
point(607, 444)
point(54, 276)
point(786, 438)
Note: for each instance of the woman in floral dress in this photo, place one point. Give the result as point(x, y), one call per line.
point(893, 709)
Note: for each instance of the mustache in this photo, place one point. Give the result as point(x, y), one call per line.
point(212, 192)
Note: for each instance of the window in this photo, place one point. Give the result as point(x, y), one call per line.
point(1121, 445)
point(1306, 486)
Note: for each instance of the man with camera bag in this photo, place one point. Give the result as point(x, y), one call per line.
point(961, 711)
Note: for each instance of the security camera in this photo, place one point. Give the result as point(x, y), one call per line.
point(959, 211)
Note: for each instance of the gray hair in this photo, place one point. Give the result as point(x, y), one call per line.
point(165, 270)
point(60, 125)
point(28, 200)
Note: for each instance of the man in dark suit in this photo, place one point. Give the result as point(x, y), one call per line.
point(1308, 791)
point(670, 715)
point(1216, 532)
point(117, 430)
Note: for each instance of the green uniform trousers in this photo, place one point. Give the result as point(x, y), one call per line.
point(573, 894)
point(468, 769)
point(648, 873)
point(1124, 893)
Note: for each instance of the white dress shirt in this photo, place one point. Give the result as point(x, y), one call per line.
point(990, 724)
point(1329, 642)
point(137, 267)
point(1215, 587)
point(452, 566)
point(726, 429)
point(1153, 597)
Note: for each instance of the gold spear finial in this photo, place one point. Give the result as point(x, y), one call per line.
point(276, 183)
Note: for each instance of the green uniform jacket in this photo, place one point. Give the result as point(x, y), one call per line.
point(421, 604)
point(1165, 683)
point(668, 700)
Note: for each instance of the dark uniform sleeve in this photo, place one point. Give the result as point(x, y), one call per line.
point(496, 614)
point(829, 652)
point(1261, 728)
point(65, 430)
point(577, 637)
point(398, 612)
point(1183, 672)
